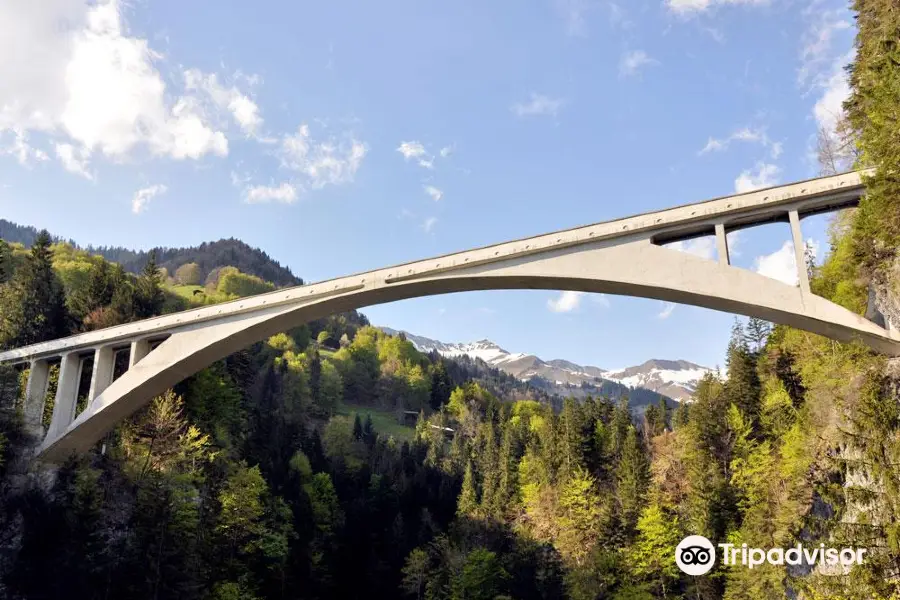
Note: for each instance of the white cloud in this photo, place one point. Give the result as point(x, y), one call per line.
point(567, 301)
point(143, 197)
point(74, 160)
point(816, 54)
point(782, 264)
point(704, 247)
point(765, 175)
point(688, 7)
point(826, 50)
point(632, 62)
point(745, 134)
point(435, 193)
point(285, 193)
point(416, 150)
point(666, 311)
point(72, 71)
point(22, 151)
point(776, 149)
point(238, 180)
point(836, 89)
point(446, 151)
point(429, 224)
point(411, 150)
point(537, 105)
point(242, 108)
point(330, 162)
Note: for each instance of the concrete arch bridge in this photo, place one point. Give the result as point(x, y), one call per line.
point(626, 256)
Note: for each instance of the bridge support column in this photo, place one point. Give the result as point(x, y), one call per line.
point(35, 391)
point(66, 393)
point(799, 252)
point(102, 376)
point(722, 245)
point(139, 349)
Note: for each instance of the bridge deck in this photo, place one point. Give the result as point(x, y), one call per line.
point(681, 222)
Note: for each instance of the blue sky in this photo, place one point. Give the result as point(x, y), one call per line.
point(344, 136)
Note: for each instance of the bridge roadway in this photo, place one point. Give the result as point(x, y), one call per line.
point(625, 256)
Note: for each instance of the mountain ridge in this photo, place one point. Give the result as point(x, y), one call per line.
point(676, 379)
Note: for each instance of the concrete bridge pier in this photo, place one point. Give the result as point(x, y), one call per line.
point(66, 393)
point(35, 392)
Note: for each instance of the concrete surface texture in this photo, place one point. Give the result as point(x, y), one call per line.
point(625, 257)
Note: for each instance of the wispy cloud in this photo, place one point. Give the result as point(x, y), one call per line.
point(74, 160)
point(666, 311)
point(429, 224)
point(817, 53)
point(143, 196)
point(690, 7)
point(744, 134)
point(835, 90)
point(538, 105)
point(417, 151)
point(434, 192)
point(284, 193)
point(632, 62)
point(567, 301)
point(321, 163)
point(763, 175)
point(826, 49)
point(573, 14)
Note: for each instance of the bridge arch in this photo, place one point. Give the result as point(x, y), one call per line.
point(620, 257)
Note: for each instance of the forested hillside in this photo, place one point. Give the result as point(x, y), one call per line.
point(288, 470)
point(208, 256)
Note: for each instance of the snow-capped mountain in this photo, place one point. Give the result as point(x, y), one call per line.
point(676, 379)
point(673, 378)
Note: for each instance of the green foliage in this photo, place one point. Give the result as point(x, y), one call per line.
point(232, 282)
point(188, 274)
point(33, 303)
point(482, 577)
point(874, 111)
point(652, 557)
point(581, 516)
point(148, 293)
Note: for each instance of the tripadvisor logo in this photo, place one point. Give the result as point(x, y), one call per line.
point(696, 555)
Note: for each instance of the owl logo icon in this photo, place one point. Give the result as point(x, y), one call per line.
point(695, 555)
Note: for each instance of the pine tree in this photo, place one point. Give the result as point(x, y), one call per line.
point(467, 503)
point(631, 479)
point(122, 301)
point(148, 296)
point(357, 427)
point(574, 438)
point(743, 386)
point(100, 291)
point(441, 385)
point(757, 333)
point(621, 424)
point(34, 309)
